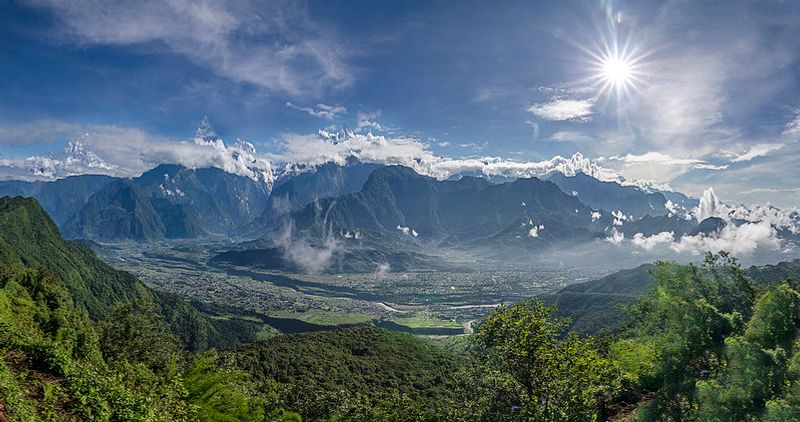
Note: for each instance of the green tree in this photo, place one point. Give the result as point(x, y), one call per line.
point(524, 350)
point(681, 326)
point(757, 362)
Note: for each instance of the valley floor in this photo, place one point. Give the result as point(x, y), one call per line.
point(435, 303)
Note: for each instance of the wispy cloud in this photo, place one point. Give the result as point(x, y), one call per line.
point(561, 110)
point(273, 45)
point(38, 132)
point(654, 158)
point(757, 150)
point(569, 136)
point(322, 111)
point(793, 125)
point(369, 121)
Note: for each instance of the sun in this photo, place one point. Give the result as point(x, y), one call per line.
point(616, 71)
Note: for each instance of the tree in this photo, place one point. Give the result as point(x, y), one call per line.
point(555, 377)
point(681, 325)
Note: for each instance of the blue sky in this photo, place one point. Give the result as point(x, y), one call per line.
point(711, 99)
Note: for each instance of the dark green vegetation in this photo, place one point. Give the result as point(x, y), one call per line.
point(81, 341)
point(597, 307)
point(29, 239)
point(709, 344)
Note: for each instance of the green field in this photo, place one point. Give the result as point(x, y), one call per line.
point(321, 317)
point(420, 320)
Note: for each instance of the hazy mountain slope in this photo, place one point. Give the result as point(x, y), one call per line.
point(397, 201)
point(217, 201)
point(61, 198)
point(611, 196)
point(342, 260)
point(119, 211)
point(326, 181)
point(169, 201)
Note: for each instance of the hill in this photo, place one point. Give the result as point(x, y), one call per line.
point(594, 306)
point(29, 238)
point(324, 371)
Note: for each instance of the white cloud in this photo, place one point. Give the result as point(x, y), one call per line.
point(316, 150)
point(740, 240)
point(654, 158)
point(322, 111)
point(704, 166)
point(648, 243)
point(710, 206)
point(368, 121)
point(125, 151)
point(757, 150)
point(273, 45)
point(616, 237)
point(407, 230)
point(560, 110)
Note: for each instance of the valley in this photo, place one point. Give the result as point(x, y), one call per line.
point(425, 302)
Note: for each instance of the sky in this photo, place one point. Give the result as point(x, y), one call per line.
point(689, 94)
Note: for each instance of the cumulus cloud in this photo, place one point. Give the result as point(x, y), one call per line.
point(322, 111)
point(562, 109)
point(407, 230)
point(740, 240)
point(709, 206)
point(649, 243)
point(273, 45)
